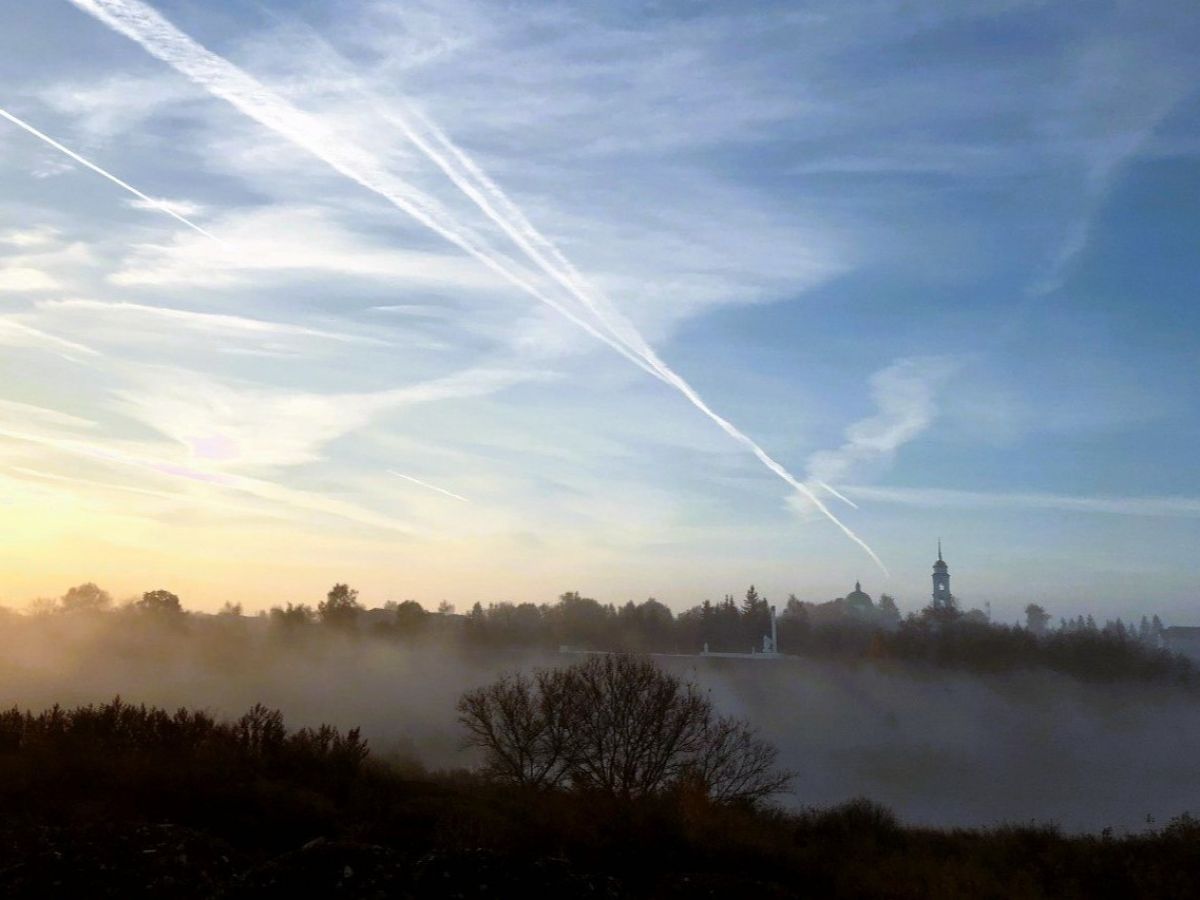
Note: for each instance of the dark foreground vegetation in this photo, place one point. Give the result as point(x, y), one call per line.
point(126, 801)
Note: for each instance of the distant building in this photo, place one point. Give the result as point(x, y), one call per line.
point(856, 606)
point(858, 603)
point(942, 598)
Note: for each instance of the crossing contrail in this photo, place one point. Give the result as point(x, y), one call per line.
point(145, 26)
point(221, 78)
point(496, 205)
point(426, 484)
point(157, 204)
point(835, 493)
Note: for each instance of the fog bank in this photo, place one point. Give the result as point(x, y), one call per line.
point(938, 747)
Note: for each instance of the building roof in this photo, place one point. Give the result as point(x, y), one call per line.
point(858, 597)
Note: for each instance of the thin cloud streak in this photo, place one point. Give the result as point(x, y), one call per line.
point(836, 493)
point(425, 484)
point(938, 498)
point(156, 204)
point(18, 334)
point(215, 321)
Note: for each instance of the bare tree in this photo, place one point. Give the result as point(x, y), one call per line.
point(633, 727)
point(734, 765)
point(616, 725)
point(520, 725)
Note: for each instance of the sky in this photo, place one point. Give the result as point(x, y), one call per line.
point(455, 302)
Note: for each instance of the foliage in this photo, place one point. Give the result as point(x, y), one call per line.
point(340, 608)
point(160, 602)
point(85, 598)
point(286, 620)
point(92, 780)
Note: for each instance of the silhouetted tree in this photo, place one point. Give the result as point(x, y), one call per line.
point(410, 617)
point(734, 765)
point(160, 603)
point(617, 725)
point(340, 608)
point(85, 598)
point(889, 613)
point(288, 620)
point(521, 725)
point(581, 621)
point(1036, 619)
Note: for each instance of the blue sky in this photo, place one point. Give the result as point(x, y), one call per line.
point(938, 256)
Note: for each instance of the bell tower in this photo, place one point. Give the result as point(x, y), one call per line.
point(941, 581)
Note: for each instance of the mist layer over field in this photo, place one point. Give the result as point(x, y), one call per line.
point(938, 747)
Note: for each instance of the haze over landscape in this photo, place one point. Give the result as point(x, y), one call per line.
point(939, 258)
point(632, 450)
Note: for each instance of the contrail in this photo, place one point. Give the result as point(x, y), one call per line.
point(489, 197)
point(221, 78)
point(838, 494)
point(425, 484)
point(145, 26)
point(157, 204)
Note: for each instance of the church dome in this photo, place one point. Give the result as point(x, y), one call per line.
point(859, 599)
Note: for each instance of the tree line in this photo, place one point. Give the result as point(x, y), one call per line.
point(850, 628)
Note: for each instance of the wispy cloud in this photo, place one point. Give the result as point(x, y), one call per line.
point(29, 237)
point(22, 412)
point(274, 494)
point(1116, 96)
point(205, 322)
point(106, 107)
point(943, 498)
point(904, 397)
point(19, 279)
point(266, 243)
point(230, 425)
point(18, 334)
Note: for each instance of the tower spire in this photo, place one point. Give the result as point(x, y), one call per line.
point(941, 581)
